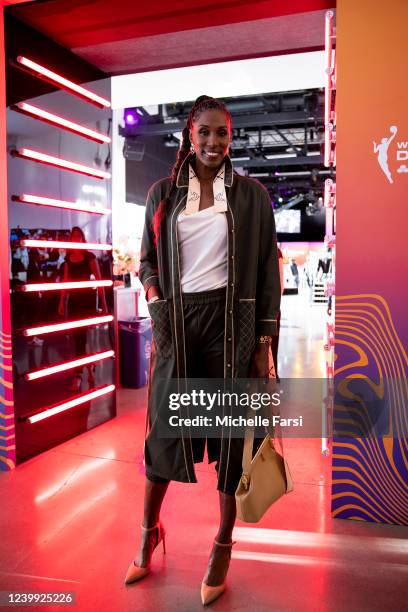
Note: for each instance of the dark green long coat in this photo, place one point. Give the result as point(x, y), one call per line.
point(251, 308)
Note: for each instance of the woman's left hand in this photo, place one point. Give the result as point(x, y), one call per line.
point(260, 361)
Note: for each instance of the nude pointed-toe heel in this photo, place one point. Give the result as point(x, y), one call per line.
point(211, 593)
point(135, 572)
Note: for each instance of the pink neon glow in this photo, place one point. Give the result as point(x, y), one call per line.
point(81, 399)
point(41, 71)
point(43, 158)
point(49, 329)
point(69, 285)
point(329, 223)
point(328, 127)
point(61, 244)
point(68, 365)
point(328, 48)
point(329, 190)
point(33, 199)
point(61, 122)
point(327, 145)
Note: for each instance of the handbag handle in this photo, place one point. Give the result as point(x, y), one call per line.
point(249, 445)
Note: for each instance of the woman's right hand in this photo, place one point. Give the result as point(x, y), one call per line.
point(153, 291)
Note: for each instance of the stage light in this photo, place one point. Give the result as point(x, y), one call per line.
point(64, 286)
point(133, 149)
point(131, 116)
point(77, 401)
point(49, 329)
point(76, 128)
point(68, 365)
point(170, 141)
point(53, 77)
point(61, 244)
point(65, 164)
point(26, 198)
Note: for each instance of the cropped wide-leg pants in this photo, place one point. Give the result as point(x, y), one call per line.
point(204, 328)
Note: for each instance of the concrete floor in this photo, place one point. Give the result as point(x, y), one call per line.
point(71, 522)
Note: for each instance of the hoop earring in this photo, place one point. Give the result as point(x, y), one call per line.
point(192, 149)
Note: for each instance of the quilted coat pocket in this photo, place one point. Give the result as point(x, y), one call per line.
point(246, 329)
point(162, 338)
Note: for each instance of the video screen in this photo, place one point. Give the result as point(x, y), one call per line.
point(288, 221)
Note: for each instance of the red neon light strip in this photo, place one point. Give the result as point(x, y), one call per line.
point(48, 75)
point(81, 399)
point(48, 329)
point(33, 199)
point(44, 115)
point(328, 155)
point(69, 285)
point(68, 365)
point(329, 190)
point(328, 50)
point(60, 244)
point(328, 125)
point(42, 158)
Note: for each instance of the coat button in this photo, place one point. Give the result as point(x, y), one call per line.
point(232, 257)
point(228, 365)
point(231, 284)
point(229, 339)
point(230, 311)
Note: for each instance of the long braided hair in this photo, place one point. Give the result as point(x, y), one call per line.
point(202, 103)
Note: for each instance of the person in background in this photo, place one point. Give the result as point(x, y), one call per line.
point(80, 265)
point(35, 300)
point(295, 271)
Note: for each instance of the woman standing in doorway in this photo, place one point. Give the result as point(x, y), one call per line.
point(209, 268)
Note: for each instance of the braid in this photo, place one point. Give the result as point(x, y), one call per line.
point(160, 213)
point(202, 103)
point(182, 153)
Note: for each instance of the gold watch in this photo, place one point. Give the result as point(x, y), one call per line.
point(264, 339)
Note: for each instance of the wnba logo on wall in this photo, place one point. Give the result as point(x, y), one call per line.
point(401, 153)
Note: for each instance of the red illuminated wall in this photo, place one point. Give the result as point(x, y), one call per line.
point(7, 439)
point(370, 475)
point(39, 406)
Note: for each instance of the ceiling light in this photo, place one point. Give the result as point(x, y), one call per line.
point(53, 77)
point(65, 164)
point(64, 244)
point(281, 155)
point(298, 173)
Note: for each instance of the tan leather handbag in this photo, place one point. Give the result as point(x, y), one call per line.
point(264, 479)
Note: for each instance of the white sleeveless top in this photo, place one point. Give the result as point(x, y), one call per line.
point(202, 238)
